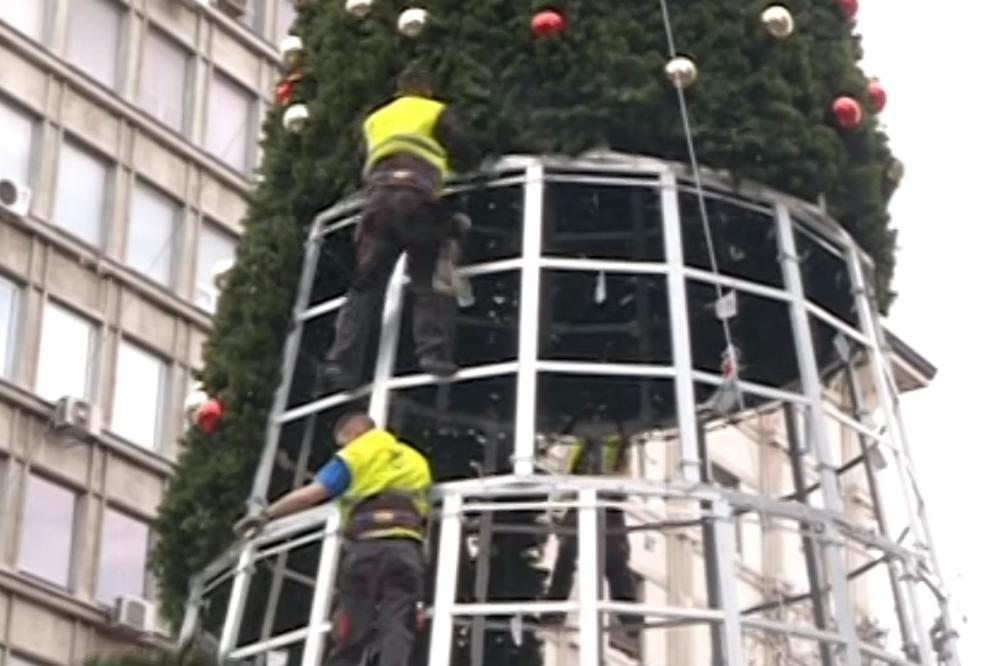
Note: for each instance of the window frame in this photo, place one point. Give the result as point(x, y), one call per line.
point(163, 388)
point(223, 231)
point(145, 592)
point(43, 32)
point(8, 361)
point(120, 49)
point(74, 523)
point(215, 75)
point(177, 217)
point(107, 197)
point(16, 108)
point(153, 31)
point(93, 347)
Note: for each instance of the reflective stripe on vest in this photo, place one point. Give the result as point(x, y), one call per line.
point(405, 126)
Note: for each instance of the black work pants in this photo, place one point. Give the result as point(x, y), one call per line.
point(396, 219)
point(616, 559)
point(381, 583)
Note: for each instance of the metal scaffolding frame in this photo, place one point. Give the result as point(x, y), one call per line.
point(825, 530)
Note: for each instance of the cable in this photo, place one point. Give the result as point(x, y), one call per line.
point(702, 206)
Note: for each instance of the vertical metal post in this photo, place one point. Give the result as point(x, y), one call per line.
point(590, 577)
point(809, 546)
point(714, 565)
point(446, 580)
point(485, 545)
point(258, 493)
point(832, 549)
point(527, 348)
point(237, 601)
point(191, 611)
point(392, 320)
point(681, 336)
point(732, 632)
point(326, 577)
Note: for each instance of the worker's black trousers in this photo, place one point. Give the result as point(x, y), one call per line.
point(396, 219)
point(380, 584)
point(616, 558)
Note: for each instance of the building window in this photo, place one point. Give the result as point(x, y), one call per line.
point(47, 531)
point(163, 86)
point(28, 17)
point(214, 247)
point(16, 133)
point(8, 326)
point(81, 192)
point(137, 411)
point(230, 117)
point(94, 37)
point(730, 481)
point(150, 246)
point(124, 544)
point(66, 349)
point(286, 17)
point(253, 14)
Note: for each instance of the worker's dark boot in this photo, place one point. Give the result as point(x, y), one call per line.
point(434, 321)
point(332, 378)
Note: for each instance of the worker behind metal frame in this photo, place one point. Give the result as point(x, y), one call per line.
point(595, 453)
point(412, 145)
point(382, 485)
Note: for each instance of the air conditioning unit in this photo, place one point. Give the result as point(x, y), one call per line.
point(133, 614)
point(235, 8)
point(76, 417)
point(14, 197)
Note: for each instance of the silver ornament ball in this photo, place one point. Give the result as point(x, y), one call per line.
point(359, 8)
point(291, 51)
point(682, 71)
point(778, 21)
point(413, 21)
point(295, 118)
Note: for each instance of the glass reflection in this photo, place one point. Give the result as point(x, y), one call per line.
point(761, 332)
point(497, 215)
point(487, 327)
point(466, 429)
point(603, 222)
point(336, 264)
point(744, 240)
point(636, 404)
point(825, 276)
point(594, 316)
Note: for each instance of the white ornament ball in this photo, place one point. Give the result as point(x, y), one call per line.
point(291, 51)
point(682, 71)
point(220, 272)
point(194, 400)
point(359, 8)
point(413, 21)
point(295, 118)
point(778, 21)
point(896, 171)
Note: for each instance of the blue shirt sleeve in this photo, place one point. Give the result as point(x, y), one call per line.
point(335, 477)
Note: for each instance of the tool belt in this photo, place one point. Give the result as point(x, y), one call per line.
point(385, 511)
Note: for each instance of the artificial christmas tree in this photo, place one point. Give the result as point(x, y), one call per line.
point(758, 111)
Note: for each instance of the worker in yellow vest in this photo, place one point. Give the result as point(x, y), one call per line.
point(596, 454)
point(381, 485)
point(413, 143)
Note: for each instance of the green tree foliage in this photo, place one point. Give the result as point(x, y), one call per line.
point(760, 111)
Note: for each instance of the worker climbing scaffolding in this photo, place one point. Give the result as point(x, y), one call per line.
point(413, 143)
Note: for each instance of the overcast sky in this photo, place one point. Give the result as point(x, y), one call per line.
point(939, 62)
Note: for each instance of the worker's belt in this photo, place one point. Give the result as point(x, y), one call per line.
point(403, 178)
point(385, 511)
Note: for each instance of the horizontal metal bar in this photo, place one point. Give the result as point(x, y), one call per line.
point(287, 546)
point(835, 322)
point(491, 267)
point(887, 657)
point(753, 388)
point(667, 612)
point(788, 629)
point(607, 265)
point(755, 288)
point(323, 404)
point(857, 426)
point(463, 375)
point(342, 224)
point(652, 182)
point(324, 308)
point(607, 369)
point(290, 638)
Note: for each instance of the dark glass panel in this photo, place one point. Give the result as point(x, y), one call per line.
point(825, 277)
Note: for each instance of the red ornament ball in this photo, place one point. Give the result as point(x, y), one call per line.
point(209, 415)
point(283, 92)
point(848, 112)
point(849, 8)
point(547, 23)
point(876, 95)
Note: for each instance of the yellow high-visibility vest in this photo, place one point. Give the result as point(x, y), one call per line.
point(611, 458)
point(405, 126)
point(378, 463)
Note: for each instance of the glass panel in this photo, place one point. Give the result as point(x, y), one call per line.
point(163, 85)
point(150, 248)
point(597, 316)
point(138, 402)
point(94, 32)
point(215, 247)
point(253, 17)
point(497, 215)
point(285, 580)
point(64, 357)
point(16, 132)
point(825, 276)
point(336, 264)
point(466, 428)
point(8, 326)
point(124, 543)
point(28, 17)
point(317, 337)
point(761, 332)
point(568, 404)
point(82, 190)
point(230, 117)
point(745, 241)
point(47, 531)
point(603, 222)
point(487, 329)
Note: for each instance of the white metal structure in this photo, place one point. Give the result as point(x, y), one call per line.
point(593, 301)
